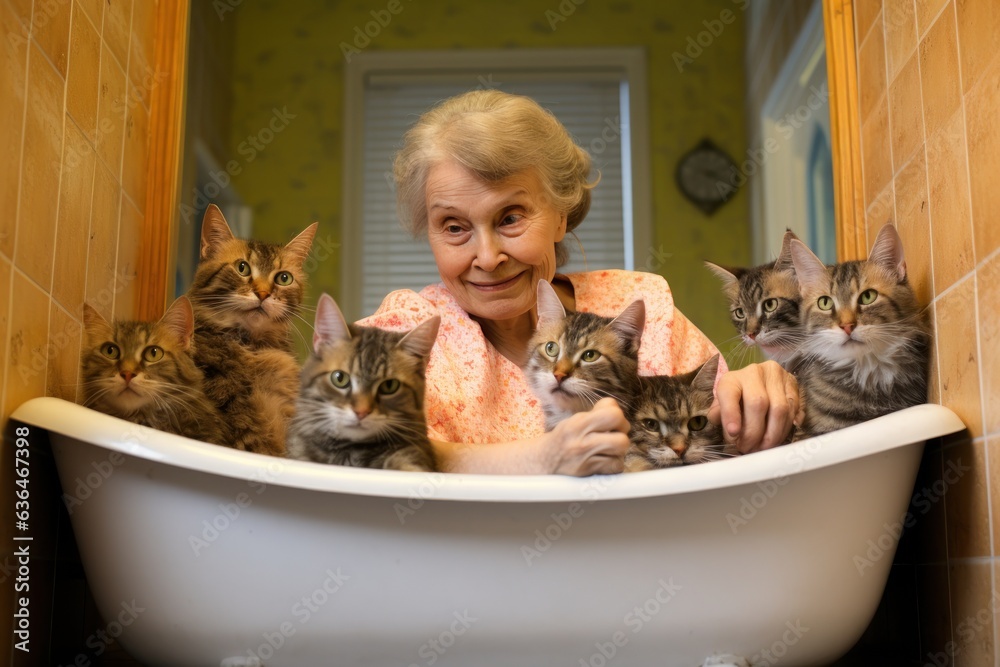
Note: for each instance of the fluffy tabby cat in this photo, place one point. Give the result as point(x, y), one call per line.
point(245, 294)
point(362, 397)
point(144, 372)
point(578, 358)
point(764, 304)
point(867, 341)
point(669, 420)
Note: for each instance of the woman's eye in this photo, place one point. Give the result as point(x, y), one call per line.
point(590, 355)
point(152, 353)
point(284, 278)
point(111, 351)
point(340, 379)
point(868, 296)
point(770, 305)
point(739, 313)
point(511, 219)
point(243, 268)
point(388, 387)
point(651, 425)
point(824, 303)
point(697, 423)
point(552, 349)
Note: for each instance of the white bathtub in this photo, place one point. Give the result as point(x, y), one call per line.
point(208, 556)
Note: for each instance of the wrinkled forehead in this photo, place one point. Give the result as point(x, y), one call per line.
point(450, 184)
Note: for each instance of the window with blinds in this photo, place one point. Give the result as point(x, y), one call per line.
point(594, 107)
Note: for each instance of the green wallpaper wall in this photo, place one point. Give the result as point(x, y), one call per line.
point(289, 80)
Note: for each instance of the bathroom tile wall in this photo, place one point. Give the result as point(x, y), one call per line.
point(75, 87)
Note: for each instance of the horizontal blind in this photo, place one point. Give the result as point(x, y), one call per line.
point(591, 110)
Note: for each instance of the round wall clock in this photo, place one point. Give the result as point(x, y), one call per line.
point(705, 175)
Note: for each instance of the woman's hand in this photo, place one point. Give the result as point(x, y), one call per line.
point(589, 443)
point(757, 406)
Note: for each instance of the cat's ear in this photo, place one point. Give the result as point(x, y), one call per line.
point(94, 323)
point(630, 322)
point(704, 379)
point(214, 231)
point(179, 321)
point(421, 339)
point(784, 261)
point(809, 269)
point(300, 246)
point(887, 251)
point(549, 306)
point(730, 277)
point(331, 326)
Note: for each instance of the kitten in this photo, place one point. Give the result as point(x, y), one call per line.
point(362, 398)
point(144, 372)
point(868, 342)
point(245, 294)
point(670, 424)
point(765, 303)
point(578, 358)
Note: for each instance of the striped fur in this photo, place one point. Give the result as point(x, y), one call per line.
point(560, 370)
point(859, 361)
point(122, 377)
point(376, 419)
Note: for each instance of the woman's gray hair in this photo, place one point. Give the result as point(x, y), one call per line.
point(494, 135)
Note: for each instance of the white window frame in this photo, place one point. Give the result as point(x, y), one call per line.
point(629, 62)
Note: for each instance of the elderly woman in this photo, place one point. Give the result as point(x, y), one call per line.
point(495, 182)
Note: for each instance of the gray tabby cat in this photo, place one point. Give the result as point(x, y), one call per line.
point(362, 397)
point(670, 424)
point(765, 303)
point(245, 294)
point(144, 372)
point(868, 342)
point(578, 358)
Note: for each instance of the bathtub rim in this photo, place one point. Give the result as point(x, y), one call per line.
point(912, 426)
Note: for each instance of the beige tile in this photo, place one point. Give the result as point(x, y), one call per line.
point(983, 117)
point(135, 162)
point(50, 24)
point(933, 600)
point(143, 57)
point(77, 189)
point(958, 357)
point(942, 90)
point(5, 294)
point(900, 34)
point(967, 500)
point(22, 12)
point(103, 245)
point(871, 71)
point(111, 113)
point(951, 225)
point(65, 334)
point(927, 11)
point(84, 74)
point(117, 26)
point(934, 377)
point(865, 13)
point(12, 92)
point(26, 358)
point(913, 225)
point(129, 238)
point(978, 27)
point(905, 120)
point(993, 452)
point(988, 287)
point(43, 129)
point(972, 612)
point(875, 157)
point(879, 212)
point(94, 10)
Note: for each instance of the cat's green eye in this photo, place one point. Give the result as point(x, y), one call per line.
point(739, 314)
point(868, 296)
point(340, 379)
point(243, 268)
point(552, 349)
point(388, 387)
point(697, 423)
point(111, 351)
point(152, 354)
point(590, 355)
point(770, 305)
point(284, 279)
point(651, 425)
point(824, 303)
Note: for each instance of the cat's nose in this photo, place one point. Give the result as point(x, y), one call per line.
point(262, 294)
point(362, 412)
point(848, 327)
point(559, 377)
point(752, 335)
point(678, 445)
point(127, 376)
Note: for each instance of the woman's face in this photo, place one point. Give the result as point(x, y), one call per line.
point(492, 242)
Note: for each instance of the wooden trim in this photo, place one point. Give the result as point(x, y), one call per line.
point(845, 128)
point(163, 172)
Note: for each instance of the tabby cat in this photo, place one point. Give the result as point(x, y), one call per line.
point(765, 303)
point(144, 372)
point(362, 397)
point(866, 351)
point(245, 294)
point(670, 424)
point(578, 358)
